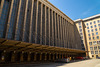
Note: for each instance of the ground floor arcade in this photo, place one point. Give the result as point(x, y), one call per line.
point(15, 51)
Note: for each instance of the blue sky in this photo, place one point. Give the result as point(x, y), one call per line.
point(76, 9)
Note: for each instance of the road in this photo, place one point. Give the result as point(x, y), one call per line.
point(84, 63)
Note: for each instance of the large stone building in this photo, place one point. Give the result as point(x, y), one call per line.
point(35, 30)
point(89, 29)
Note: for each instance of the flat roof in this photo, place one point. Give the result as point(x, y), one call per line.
point(98, 15)
point(88, 18)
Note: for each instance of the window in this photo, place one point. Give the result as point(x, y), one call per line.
point(95, 47)
point(99, 47)
point(98, 21)
point(94, 43)
point(96, 52)
point(94, 22)
point(81, 37)
point(81, 34)
point(88, 31)
point(80, 30)
point(99, 25)
point(95, 29)
point(97, 37)
point(88, 34)
point(81, 41)
point(98, 42)
point(95, 26)
point(90, 23)
point(87, 24)
point(89, 38)
point(96, 33)
point(93, 38)
point(90, 43)
point(87, 27)
point(91, 26)
point(91, 48)
point(92, 30)
point(80, 27)
point(92, 52)
point(92, 34)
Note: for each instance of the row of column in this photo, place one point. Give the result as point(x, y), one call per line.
point(30, 57)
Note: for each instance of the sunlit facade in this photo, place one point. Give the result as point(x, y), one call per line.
point(37, 30)
point(90, 34)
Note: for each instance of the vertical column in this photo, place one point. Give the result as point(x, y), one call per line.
point(61, 32)
point(63, 25)
point(58, 31)
point(62, 56)
point(49, 23)
point(45, 25)
point(69, 36)
point(21, 57)
point(65, 34)
point(16, 28)
point(1, 6)
point(9, 18)
point(29, 56)
point(13, 57)
point(55, 31)
point(35, 54)
point(57, 56)
point(41, 24)
point(52, 28)
point(36, 21)
point(45, 56)
point(25, 20)
point(49, 56)
point(30, 32)
point(53, 56)
point(40, 56)
point(3, 56)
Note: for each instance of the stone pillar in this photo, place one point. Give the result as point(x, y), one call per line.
point(40, 56)
point(3, 57)
point(65, 55)
point(13, 57)
point(62, 56)
point(50, 56)
point(59, 56)
point(29, 56)
point(53, 56)
point(45, 56)
point(35, 56)
point(21, 57)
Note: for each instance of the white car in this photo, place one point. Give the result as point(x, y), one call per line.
point(63, 60)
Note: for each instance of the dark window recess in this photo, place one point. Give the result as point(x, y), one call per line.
point(8, 0)
point(0, 2)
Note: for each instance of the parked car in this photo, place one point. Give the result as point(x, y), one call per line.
point(63, 60)
point(98, 57)
point(79, 58)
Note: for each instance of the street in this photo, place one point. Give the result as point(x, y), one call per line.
point(84, 63)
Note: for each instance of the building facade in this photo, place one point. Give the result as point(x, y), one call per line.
point(37, 30)
point(90, 34)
